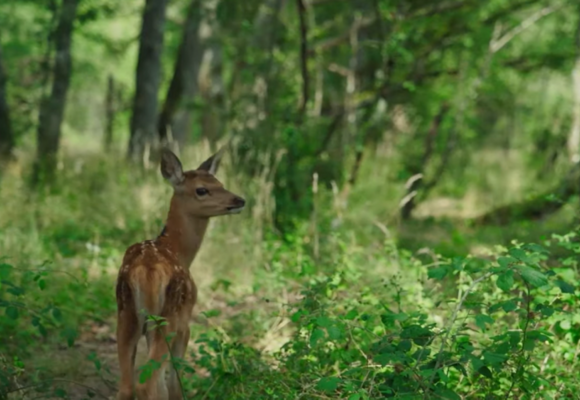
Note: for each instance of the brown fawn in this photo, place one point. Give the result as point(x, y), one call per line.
point(154, 278)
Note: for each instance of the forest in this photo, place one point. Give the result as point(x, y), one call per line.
point(411, 172)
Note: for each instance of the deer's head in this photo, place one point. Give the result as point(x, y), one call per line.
point(198, 192)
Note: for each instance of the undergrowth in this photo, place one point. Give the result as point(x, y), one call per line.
point(319, 314)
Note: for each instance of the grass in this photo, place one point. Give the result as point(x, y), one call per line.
point(65, 247)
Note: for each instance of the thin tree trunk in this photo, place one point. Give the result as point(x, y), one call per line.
point(6, 134)
point(303, 56)
point(52, 107)
point(110, 110)
point(264, 39)
point(148, 78)
point(415, 183)
point(183, 85)
point(211, 86)
point(574, 138)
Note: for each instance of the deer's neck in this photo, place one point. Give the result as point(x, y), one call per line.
point(183, 234)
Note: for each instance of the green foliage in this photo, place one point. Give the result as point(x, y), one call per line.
point(375, 344)
point(302, 297)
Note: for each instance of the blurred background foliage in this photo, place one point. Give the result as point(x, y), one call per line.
point(373, 140)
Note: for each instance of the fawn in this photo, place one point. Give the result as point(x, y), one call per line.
point(154, 278)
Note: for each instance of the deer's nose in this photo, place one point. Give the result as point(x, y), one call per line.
point(238, 201)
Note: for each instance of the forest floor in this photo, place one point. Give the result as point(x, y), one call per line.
point(91, 364)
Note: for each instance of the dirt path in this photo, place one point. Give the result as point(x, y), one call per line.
point(92, 362)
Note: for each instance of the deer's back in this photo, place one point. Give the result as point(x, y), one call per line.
point(152, 278)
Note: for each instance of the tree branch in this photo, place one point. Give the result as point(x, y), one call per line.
point(498, 44)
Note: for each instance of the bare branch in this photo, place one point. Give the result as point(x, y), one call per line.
point(498, 44)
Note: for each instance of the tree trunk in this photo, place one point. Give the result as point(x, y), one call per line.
point(418, 169)
point(211, 86)
point(110, 110)
point(574, 138)
point(183, 85)
point(303, 57)
point(264, 39)
point(148, 78)
point(52, 107)
point(6, 134)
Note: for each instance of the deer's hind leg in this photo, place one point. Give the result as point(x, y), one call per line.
point(155, 387)
point(177, 351)
point(128, 334)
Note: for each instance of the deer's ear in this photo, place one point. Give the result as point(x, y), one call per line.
point(171, 168)
point(211, 165)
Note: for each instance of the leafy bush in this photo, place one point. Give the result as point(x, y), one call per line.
point(503, 328)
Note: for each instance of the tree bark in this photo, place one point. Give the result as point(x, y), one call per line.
point(265, 25)
point(574, 137)
point(110, 110)
point(147, 80)
point(418, 170)
point(52, 107)
point(183, 86)
point(211, 86)
point(303, 57)
point(6, 134)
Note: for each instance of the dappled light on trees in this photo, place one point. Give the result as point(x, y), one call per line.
point(411, 171)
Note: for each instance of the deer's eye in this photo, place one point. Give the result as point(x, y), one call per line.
point(201, 191)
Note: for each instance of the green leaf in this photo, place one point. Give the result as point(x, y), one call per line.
point(419, 334)
point(334, 333)
point(328, 384)
point(323, 321)
point(15, 290)
point(536, 248)
point(509, 305)
point(485, 372)
point(315, 336)
point(447, 394)
point(5, 270)
point(405, 346)
point(389, 318)
point(42, 284)
point(355, 396)
point(57, 314)
point(481, 320)
point(514, 338)
point(12, 312)
point(533, 276)
point(529, 345)
point(438, 272)
point(519, 254)
point(42, 330)
point(505, 281)
point(147, 370)
point(352, 314)
point(93, 357)
point(494, 358)
point(70, 335)
point(297, 315)
point(457, 263)
point(212, 313)
point(506, 262)
point(539, 335)
point(565, 287)
point(476, 363)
